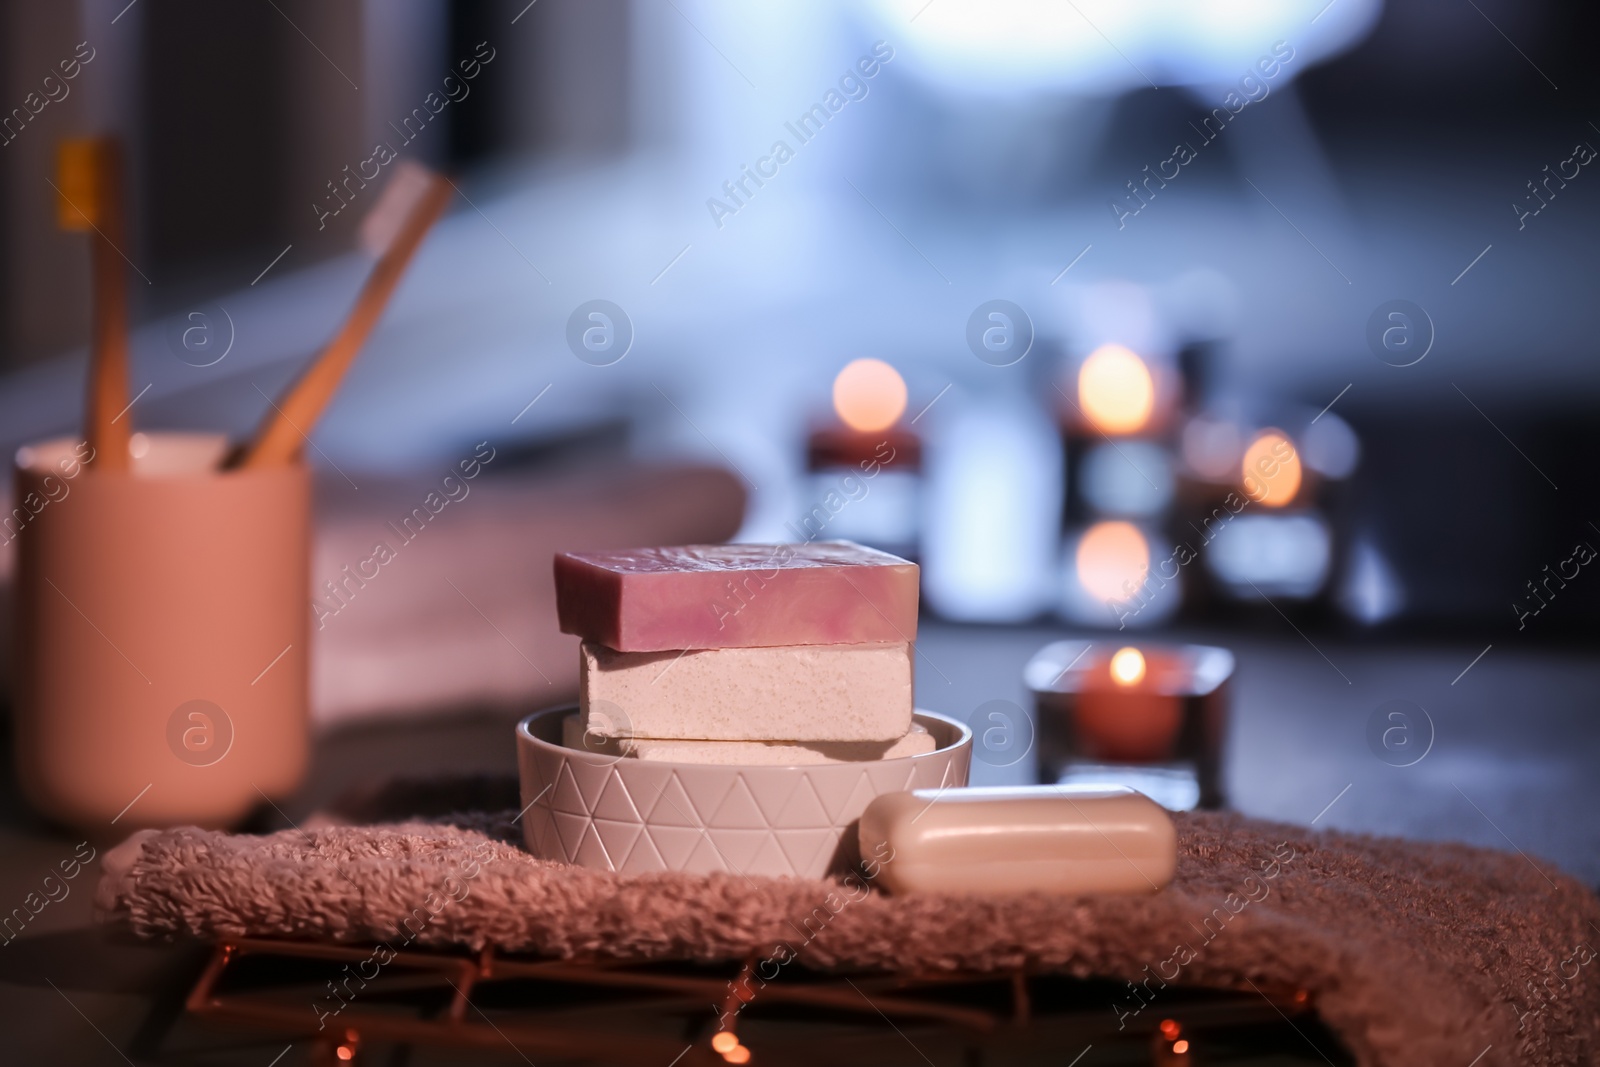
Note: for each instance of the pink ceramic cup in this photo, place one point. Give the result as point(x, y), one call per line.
point(161, 633)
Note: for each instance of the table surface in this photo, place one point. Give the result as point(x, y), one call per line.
point(1510, 768)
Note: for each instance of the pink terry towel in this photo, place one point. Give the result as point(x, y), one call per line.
point(1414, 953)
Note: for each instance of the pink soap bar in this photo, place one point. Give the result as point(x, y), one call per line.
point(737, 596)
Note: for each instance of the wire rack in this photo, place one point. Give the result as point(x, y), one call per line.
point(350, 1001)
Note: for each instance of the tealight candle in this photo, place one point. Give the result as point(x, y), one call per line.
point(1126, 713)
point(863, 483)
point(1148, 716)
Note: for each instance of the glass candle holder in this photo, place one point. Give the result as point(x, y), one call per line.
point(863, 487)
point(1149, 716)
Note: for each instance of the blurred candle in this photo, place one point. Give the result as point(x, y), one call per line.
point(869, 395)
point(1115, 390)
point(1112, 561)
point(864, 474)
point(1270, 472)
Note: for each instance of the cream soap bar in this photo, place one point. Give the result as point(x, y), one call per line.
point(737, 596)
point(746, 753)
point(572, 736)
point(791, 693)
point(1071, 840)
point(777, 753)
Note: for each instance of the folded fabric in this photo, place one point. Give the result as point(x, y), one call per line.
point(1414, 953)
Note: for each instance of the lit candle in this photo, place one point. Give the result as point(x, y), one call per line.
point(1115, 390)
point(864, 468)
point(1127, 667)
point(1115, 422)
point(869, 397)
point(1127, 711)
point(1270, 474)
point(1151, 717)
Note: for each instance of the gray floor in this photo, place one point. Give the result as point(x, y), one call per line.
point(1511, 766)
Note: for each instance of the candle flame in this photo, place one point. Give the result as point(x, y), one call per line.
point(1115, 390)
point(869, 395)
point(1127, 666)
point(1271, 469)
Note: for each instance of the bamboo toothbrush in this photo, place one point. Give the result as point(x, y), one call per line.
point(89, 199)
point(413, 200)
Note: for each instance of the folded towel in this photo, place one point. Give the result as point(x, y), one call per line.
point(1414, 953)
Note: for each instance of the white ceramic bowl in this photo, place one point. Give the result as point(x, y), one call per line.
point(631, 815)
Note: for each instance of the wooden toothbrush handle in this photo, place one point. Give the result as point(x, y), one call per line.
point(106, 425)
point(287, 426)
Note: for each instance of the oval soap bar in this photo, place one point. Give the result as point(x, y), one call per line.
point(1055, 839)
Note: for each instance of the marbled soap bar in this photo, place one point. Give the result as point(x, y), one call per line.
point(737, 596)
point(790, 693)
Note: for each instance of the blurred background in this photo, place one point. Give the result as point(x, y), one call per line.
point(1368, 153)
point(1264, 326)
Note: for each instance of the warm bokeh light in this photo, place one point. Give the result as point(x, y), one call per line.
point(725, 1041)
point(1180, 1047)
point(1115, 390)
point(737, 1054)
point(1127, 668)
point(869, 395)
point(1271, 469)
point(1170, 1028)
point(1109, 554)
point(345, 1052)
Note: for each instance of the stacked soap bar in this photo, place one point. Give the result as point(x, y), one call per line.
point(763, 647)
point(746, 753)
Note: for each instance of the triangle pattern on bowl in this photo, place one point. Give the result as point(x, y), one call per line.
point(770, 861)
point(567, 796)
point(802, 846)
point(569, 831)
point(619, 838)
point(671, 807)
point(644, 857)
point(614, 801)
point(674, 844)
point(805, 807)
point(738, 809)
